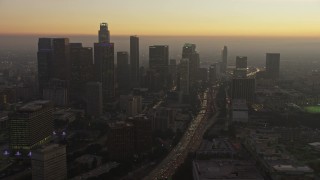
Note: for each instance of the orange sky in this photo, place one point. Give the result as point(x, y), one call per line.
point(165, 17)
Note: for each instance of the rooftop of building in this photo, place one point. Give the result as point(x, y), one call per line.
point(218, 144)
point(49, 148)
point(239, 104)
point(225, 169)
point(119, 124)
point(34, 106)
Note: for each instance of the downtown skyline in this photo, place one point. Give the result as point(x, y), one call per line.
point(299, 18)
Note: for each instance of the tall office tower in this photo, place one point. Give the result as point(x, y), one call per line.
point(224, 56)
point(173, 72)
point(189, 52)
point(159, 63)
point(134, 61)
point(45, 60)
point(53, 60)
point(49, 163)
point(273, 65)
point(94, 99)
point(104, 65)
point(243, 88)
point(214, 72)
point(123, 72)
point(142, 126)
point(134, 106)
point(61, 54)
point(31, 125)
point(184, 81)
point(120, 140)
point(104, 34)
point(82, 70)
point(241, 62)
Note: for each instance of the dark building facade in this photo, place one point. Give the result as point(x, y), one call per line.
point(82, 70)
point(104, 66)
point(31, 125)
point(104, 33)
point(241, 62)
point(224, 57)
point(189, 52)
point(134, 61)
point(159, 63)
point(53, 60)
point(120, 140)
point(273, 65)
point(243, 88)
point(142, 133)
point(123, 72)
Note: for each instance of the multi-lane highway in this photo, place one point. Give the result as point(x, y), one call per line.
point(188, 143)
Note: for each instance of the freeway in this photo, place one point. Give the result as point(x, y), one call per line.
point(188, 143)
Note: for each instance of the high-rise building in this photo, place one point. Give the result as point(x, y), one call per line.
point(142, 133)
point(243, 88)
point(49, 163)
point(120, 140)
point(224, 57)
point(31, 125)
point(184, 76)
point(82, 70)
point(53, 60)
point(104, 34)
point(94, 99)
point(134, 61)
point(273, 65)
point(61, 63)
point(189, 52)
point(159, 63)
point(214, 72)
point(123, 72)
point(134, 106)
point(241, 62)
point(104, 64)
point(173, 72)
point(45, 60)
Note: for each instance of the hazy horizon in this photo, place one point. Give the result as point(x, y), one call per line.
point(209, 47)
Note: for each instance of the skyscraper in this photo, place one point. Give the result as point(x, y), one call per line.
point(184, 76)
point(45, 58)
point(159, 63)
point(31, 125)
point(123, 72)
point(134, 61)
point(224, 56)
point(104, 34)
point(82, 70)
point(53, 61)
point(243, 88)
point(120, 140)
point(189, 52)
point(61, 64)
point(273, 65)
point(241, 62)
point(142, 133)
point(104, 63)
point(49, 163)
